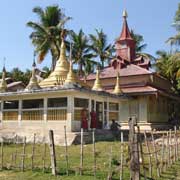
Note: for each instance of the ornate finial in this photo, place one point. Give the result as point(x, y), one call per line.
point(62, 57)
point(34, 63)
point(3, 84)
point(125, 15)
point(117, 89)
point(97, 84)
point(33, 83)
point(71, 77)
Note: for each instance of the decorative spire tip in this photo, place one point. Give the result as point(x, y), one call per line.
point(34, 56)
point(125, 15)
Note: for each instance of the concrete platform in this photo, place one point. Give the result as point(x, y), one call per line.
point(42, 135)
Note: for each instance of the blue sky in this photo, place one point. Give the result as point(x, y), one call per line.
point(150, 18)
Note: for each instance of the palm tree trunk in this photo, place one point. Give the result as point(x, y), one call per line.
point(53, 64)
point(102, 64)
point(80, 71)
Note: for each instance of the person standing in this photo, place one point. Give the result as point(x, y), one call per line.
point(84, 119)
point(93, 124)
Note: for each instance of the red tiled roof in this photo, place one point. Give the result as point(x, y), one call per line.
point(129, 70)
point(139, 89)
point(142, 89)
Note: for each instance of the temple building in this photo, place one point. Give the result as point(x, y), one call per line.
point(125, 88)
point(56, 101)
point(154, 103)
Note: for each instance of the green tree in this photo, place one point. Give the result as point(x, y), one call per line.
point(46, 33)
point(46, 73)
point(81, 52)
point(140, 46)
point(175, 40)
point(19, 75)
point(162, 64)
point(168, 66)
point(100, 46)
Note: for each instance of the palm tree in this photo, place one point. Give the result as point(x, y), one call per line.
point(175, 40)
point(19, 75)
point(168, 66)
point(46, 34)
point(140, 46)
point(162, 64)
point(100, 47)
point(81, 51)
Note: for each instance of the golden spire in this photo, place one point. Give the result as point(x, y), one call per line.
point(33, 83)
point(125, 15)
point(117, 89)
point(59, 75)
point(97, 84)
point(3, 84)
point(71, 77)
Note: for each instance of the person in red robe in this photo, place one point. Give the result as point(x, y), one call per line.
point(84, 121)
point(93, 120)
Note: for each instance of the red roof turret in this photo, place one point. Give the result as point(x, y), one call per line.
point(125, 44)
point(125, 34)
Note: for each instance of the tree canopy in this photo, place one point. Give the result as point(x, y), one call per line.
point(168, 63)
point(46, 32)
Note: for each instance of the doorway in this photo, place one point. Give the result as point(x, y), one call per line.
point(99, 111)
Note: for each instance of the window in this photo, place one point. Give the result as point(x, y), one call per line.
point(11, 104)
point(113, 111)
point(57, 102)
point(79, 104)
point(32, 104)
point(82, 103)
point(113, 106)
point(105, 105)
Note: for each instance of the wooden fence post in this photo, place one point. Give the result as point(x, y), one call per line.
point(155, 154)
point(121, 156)
point(16, 150)
point(52, 152)
point(176, 143)
point(149, 154)
point(23, 154)
point(141, 151)
point(44, 155)
point(110, 165)
point(81, 153)
point(162, 155)
point(66, 151)
point(94, 152)
point(168, 148)
point(33, 150)
point(174, 146)
point(134, 151)
point(2, 155)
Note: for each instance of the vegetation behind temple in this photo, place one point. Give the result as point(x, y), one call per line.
point(91, 50)
point(168, 62)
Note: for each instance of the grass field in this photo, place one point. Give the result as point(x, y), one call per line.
point(102, 154)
